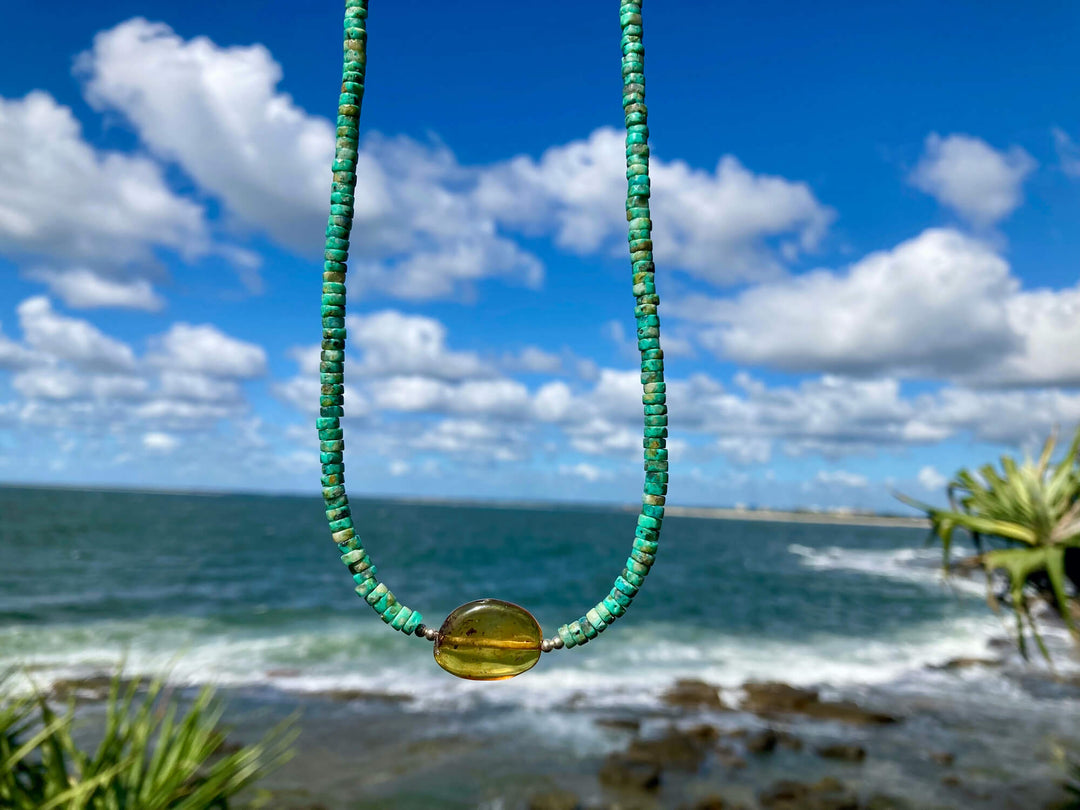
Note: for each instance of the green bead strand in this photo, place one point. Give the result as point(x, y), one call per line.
point(332, 360)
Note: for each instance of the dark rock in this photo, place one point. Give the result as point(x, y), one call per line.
point(619, 723)
point(789, 741)
point(880, 801)
point(827, 794)
point(966, 663)
point(950, 780)
point(709, 803)
point(555, 800)
point(843, 751)
point(943, 757)
point(91, 688)
point(762, 742)
point(704, 734)
point(691, 693)
point(349, 695)
point(619, 771)
point(771, 699)
point(676, 749)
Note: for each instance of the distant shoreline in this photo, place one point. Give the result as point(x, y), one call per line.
point(779, 516)
point(703, 512)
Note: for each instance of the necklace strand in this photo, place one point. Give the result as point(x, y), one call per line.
point(332, 369)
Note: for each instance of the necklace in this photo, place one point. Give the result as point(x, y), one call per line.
point(490, 639)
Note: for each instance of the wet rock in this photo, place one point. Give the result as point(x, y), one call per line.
point(827, 794)
point(690, 693)
point(708, 803)
point(880, 801)
point(788, 740)
point(771, 699)
point(349, 695)
point(624, 773)
point(676, 749)
point(843, 751)
point(762, 742)
point(966, 663)
point(91, 688)
point(555, 800)
point(620, 723)
point(943, 757)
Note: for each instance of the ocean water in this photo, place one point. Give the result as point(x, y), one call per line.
point(246, 592)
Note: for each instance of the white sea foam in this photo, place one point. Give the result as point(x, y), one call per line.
point(632, 669)
point(916, 565)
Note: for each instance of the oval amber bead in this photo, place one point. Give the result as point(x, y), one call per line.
point(488, 640)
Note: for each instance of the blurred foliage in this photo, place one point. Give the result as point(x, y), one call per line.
point(153, 754)
point(1031, 512)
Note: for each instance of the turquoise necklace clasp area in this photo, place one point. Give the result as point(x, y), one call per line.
point(490, 639)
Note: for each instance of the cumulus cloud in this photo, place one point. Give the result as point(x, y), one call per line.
point(427, 226)
point(205, 349)
point(393, 343)
point(160, 442)
point(76, 341)
point(934, 305)
point(115, 206)
point(931, 480)
point(966, 174)
point(217, 112)
point(942, 305)
point(83, 288)
point(721, 225)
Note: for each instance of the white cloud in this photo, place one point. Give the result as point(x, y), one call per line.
point(933, 305)
point(1067, 151)
point(59, 198)
point(83, 288)
point(393, 343)
point(217, 112)
point(980, 183)
point(71, 339)
point(717, 225)
point(205, 349)
point(160, 442)
point(589, 472)
point(841, 478)
point(534, 360)
point(931, 480)
point(1049, 322)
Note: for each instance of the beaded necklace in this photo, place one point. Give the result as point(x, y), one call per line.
point(491, 639)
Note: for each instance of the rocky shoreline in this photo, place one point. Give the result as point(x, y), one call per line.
point(696, 750)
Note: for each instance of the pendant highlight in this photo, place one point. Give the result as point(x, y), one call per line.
point(488, 640)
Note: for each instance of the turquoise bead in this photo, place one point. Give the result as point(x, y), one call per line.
point(635, 579)
point(616, 609)
point(391, 612)
point(606, 615)
point(568, 639)
point(402, 616)
point(367, 587)
point(596, 620)
point(586, 628)
point(414, 621)
point(625, 587)
point(577, 633)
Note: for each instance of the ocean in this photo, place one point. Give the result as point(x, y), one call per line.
point(246, 592)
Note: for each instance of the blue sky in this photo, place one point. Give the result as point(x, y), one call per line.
point(864, 237)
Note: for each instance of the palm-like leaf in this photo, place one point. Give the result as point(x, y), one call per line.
point(150, 757)
point(1034, 510)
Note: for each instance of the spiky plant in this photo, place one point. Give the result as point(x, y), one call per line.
point(152, 756)
point(1031, 511)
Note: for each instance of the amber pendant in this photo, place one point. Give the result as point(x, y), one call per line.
point(488, 640)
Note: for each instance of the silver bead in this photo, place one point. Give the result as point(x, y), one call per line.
point(430, 633)
point(557, 642)
point(547, 645)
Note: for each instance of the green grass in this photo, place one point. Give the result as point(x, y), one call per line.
point(153, 754)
